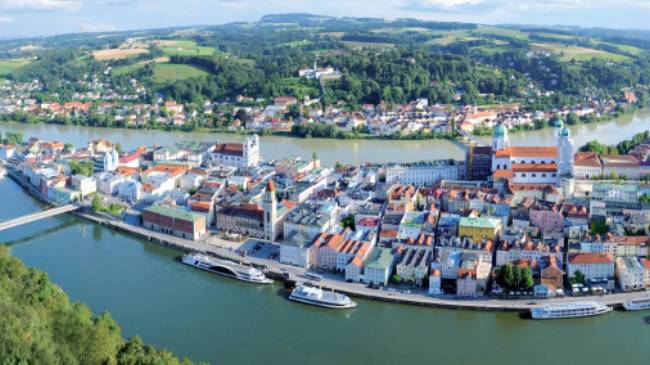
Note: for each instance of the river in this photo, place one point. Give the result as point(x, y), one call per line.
point(215, 319)
point(333, 150)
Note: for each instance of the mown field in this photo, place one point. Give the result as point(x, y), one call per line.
point(569, 53)
point(168, 72)
point(117, 53)
point(184, 48)
point(9, 65)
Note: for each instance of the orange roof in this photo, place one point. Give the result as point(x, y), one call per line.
point(502, 174)
point(356, 261)
point(587, 159)
point(645, 263)
point(127, 171)
point(528, 152)
point(270, 186)
point(534, 167)
point(388, 233)
point(589, 258)
point(170, 169)
point(201, 206)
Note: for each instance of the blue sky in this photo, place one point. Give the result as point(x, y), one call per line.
point(45, 17)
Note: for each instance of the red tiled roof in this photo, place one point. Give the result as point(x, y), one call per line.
point(235, 149)
point(589, 258)
point(527, 152)
point(534, 167)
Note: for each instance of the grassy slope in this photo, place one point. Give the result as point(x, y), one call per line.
point(9, 65)
point(168, 72)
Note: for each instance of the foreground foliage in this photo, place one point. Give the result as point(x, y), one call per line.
point(39, 325)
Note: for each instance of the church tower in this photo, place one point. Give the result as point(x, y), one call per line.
point(500, 139)
point(270, 206)
point(565, 152)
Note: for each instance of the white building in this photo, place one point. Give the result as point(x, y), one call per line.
point(629, 273)
point(111, 161)
point(86, 185)
point(130, 190)
point(435, 287)
point(296, 250)
point(108, 183)
point(425, 172)
point(594, 266)
point(246, 154)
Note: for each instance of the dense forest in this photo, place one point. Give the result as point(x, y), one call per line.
point(39, 325)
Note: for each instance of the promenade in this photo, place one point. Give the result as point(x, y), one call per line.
point(220, 248)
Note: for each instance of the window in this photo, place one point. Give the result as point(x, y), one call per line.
point(534, 175)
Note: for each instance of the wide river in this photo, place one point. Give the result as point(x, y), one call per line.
point(209, 318)
point(333, 150)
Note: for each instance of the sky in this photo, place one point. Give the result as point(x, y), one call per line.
point(19, 18)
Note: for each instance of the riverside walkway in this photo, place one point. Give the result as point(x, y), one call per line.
point(217, 247)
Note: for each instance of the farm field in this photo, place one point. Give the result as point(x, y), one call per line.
point(118, 53)
point(9, 65)
point(169, 72)
point(183, 48)
point(569, 53)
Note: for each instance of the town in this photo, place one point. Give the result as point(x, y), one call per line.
point(507, 222)
point(135, 106)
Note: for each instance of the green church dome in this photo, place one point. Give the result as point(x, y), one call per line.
point(500, 130)
point(565, 132)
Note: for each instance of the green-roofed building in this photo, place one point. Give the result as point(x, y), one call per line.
point(378, 266)
point(174, 221)
point(479, 228)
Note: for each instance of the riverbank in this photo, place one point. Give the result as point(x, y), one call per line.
point(224, 249)
point(346, 135)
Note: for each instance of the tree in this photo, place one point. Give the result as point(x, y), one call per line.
point(97, 204)
point(41, 326)
point(577, 278)
point(527, 281)
point(572, 119)
point(598, 227)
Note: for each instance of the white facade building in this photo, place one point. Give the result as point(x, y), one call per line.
point(425, 172)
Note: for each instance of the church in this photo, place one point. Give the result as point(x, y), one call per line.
point(532, 164)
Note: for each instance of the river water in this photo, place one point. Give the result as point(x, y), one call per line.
point(215, 319)
point(333, 150)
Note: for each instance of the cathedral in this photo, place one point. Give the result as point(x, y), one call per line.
point(532, 164)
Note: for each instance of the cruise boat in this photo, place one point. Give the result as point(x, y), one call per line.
point(569, 310)
point(322, 298)
point(226, 268)
point(637, 304)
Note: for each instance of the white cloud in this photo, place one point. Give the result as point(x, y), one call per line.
point(6, 19)
point(40, 5)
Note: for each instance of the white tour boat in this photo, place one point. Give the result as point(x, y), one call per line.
point(322, 298)
point(569, 310)
point(637, 304)
point(226, 268)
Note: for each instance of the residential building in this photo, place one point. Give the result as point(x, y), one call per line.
point(174, 221)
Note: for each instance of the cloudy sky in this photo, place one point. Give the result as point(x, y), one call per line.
point(45, 17)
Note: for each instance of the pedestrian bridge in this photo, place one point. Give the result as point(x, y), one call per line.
point(29, 218)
